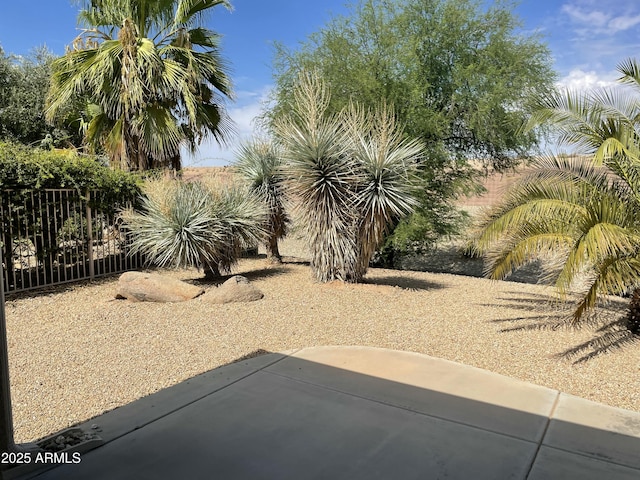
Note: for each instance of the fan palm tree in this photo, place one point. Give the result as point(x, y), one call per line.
point(588, 209)
point(350, 175)
point(152, 76)
point(195, 224)
point(259, 164)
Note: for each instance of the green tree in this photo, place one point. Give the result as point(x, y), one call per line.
point(259, 164)
point(150, 74)
point(459, 78)
point(24, 82)
point(350, 175)
point(585, 208)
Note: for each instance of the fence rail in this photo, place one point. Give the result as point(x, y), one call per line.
point(51, 237)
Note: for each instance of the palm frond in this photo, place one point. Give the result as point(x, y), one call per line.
point(630, 70)
point(118, 64)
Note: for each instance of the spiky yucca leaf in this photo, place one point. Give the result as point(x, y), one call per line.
point(242, 217)
point(320, 176)
point(177, 230)
point(351, 175)
point(258, 163)
point(387, 188)
point(190, 225)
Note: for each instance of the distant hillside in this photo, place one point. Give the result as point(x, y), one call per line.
point(200, 173)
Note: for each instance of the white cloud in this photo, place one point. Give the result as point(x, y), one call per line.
point(599, 22)
point(249, 106)
point(595, 18)
point(621, 23)
point(580, 80)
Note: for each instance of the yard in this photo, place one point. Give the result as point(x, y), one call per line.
point(76, 351)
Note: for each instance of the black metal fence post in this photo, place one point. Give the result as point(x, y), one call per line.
point(6, 420)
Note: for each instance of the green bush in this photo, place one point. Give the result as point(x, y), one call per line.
point(26, 168)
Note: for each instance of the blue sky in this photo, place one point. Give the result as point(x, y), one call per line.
point(587, 38)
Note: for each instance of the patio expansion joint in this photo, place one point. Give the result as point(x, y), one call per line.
point(544, 433)
point(399, 407)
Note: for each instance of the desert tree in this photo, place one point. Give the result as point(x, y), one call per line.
point(460, 75)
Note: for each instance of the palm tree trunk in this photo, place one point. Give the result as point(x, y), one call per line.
point(633, 317)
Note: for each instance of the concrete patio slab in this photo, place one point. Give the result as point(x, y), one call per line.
point(294, 430)
point(135, 415)
point(444, 389)
point(358, 413)
point(553, 464)
point(592, 429)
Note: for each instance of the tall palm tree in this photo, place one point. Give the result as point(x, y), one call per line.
point(258, 163)
point(587, 208)
point(152, 75)
point(350, 176)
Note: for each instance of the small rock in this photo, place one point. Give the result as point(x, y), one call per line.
point(236, 289)
point(151, 287)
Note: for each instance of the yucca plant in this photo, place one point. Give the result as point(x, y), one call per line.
point(585, 208)
point(258, 164)
point(386, 162)
point(320, 177)
point(184, 224)
point(350, 177)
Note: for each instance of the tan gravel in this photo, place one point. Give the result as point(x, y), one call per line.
point(76, 352)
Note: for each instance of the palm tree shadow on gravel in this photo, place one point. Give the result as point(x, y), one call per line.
point(610, 337)
point(550, 314)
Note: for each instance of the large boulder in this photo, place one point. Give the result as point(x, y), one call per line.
point(151, 287)
point(236, 289)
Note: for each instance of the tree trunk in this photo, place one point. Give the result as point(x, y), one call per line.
point(273, 253)
point(633, 317)
point(211, 272)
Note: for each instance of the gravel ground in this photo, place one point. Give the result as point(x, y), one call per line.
point(76, 352)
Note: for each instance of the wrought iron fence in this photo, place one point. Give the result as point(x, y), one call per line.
point(58, 236)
